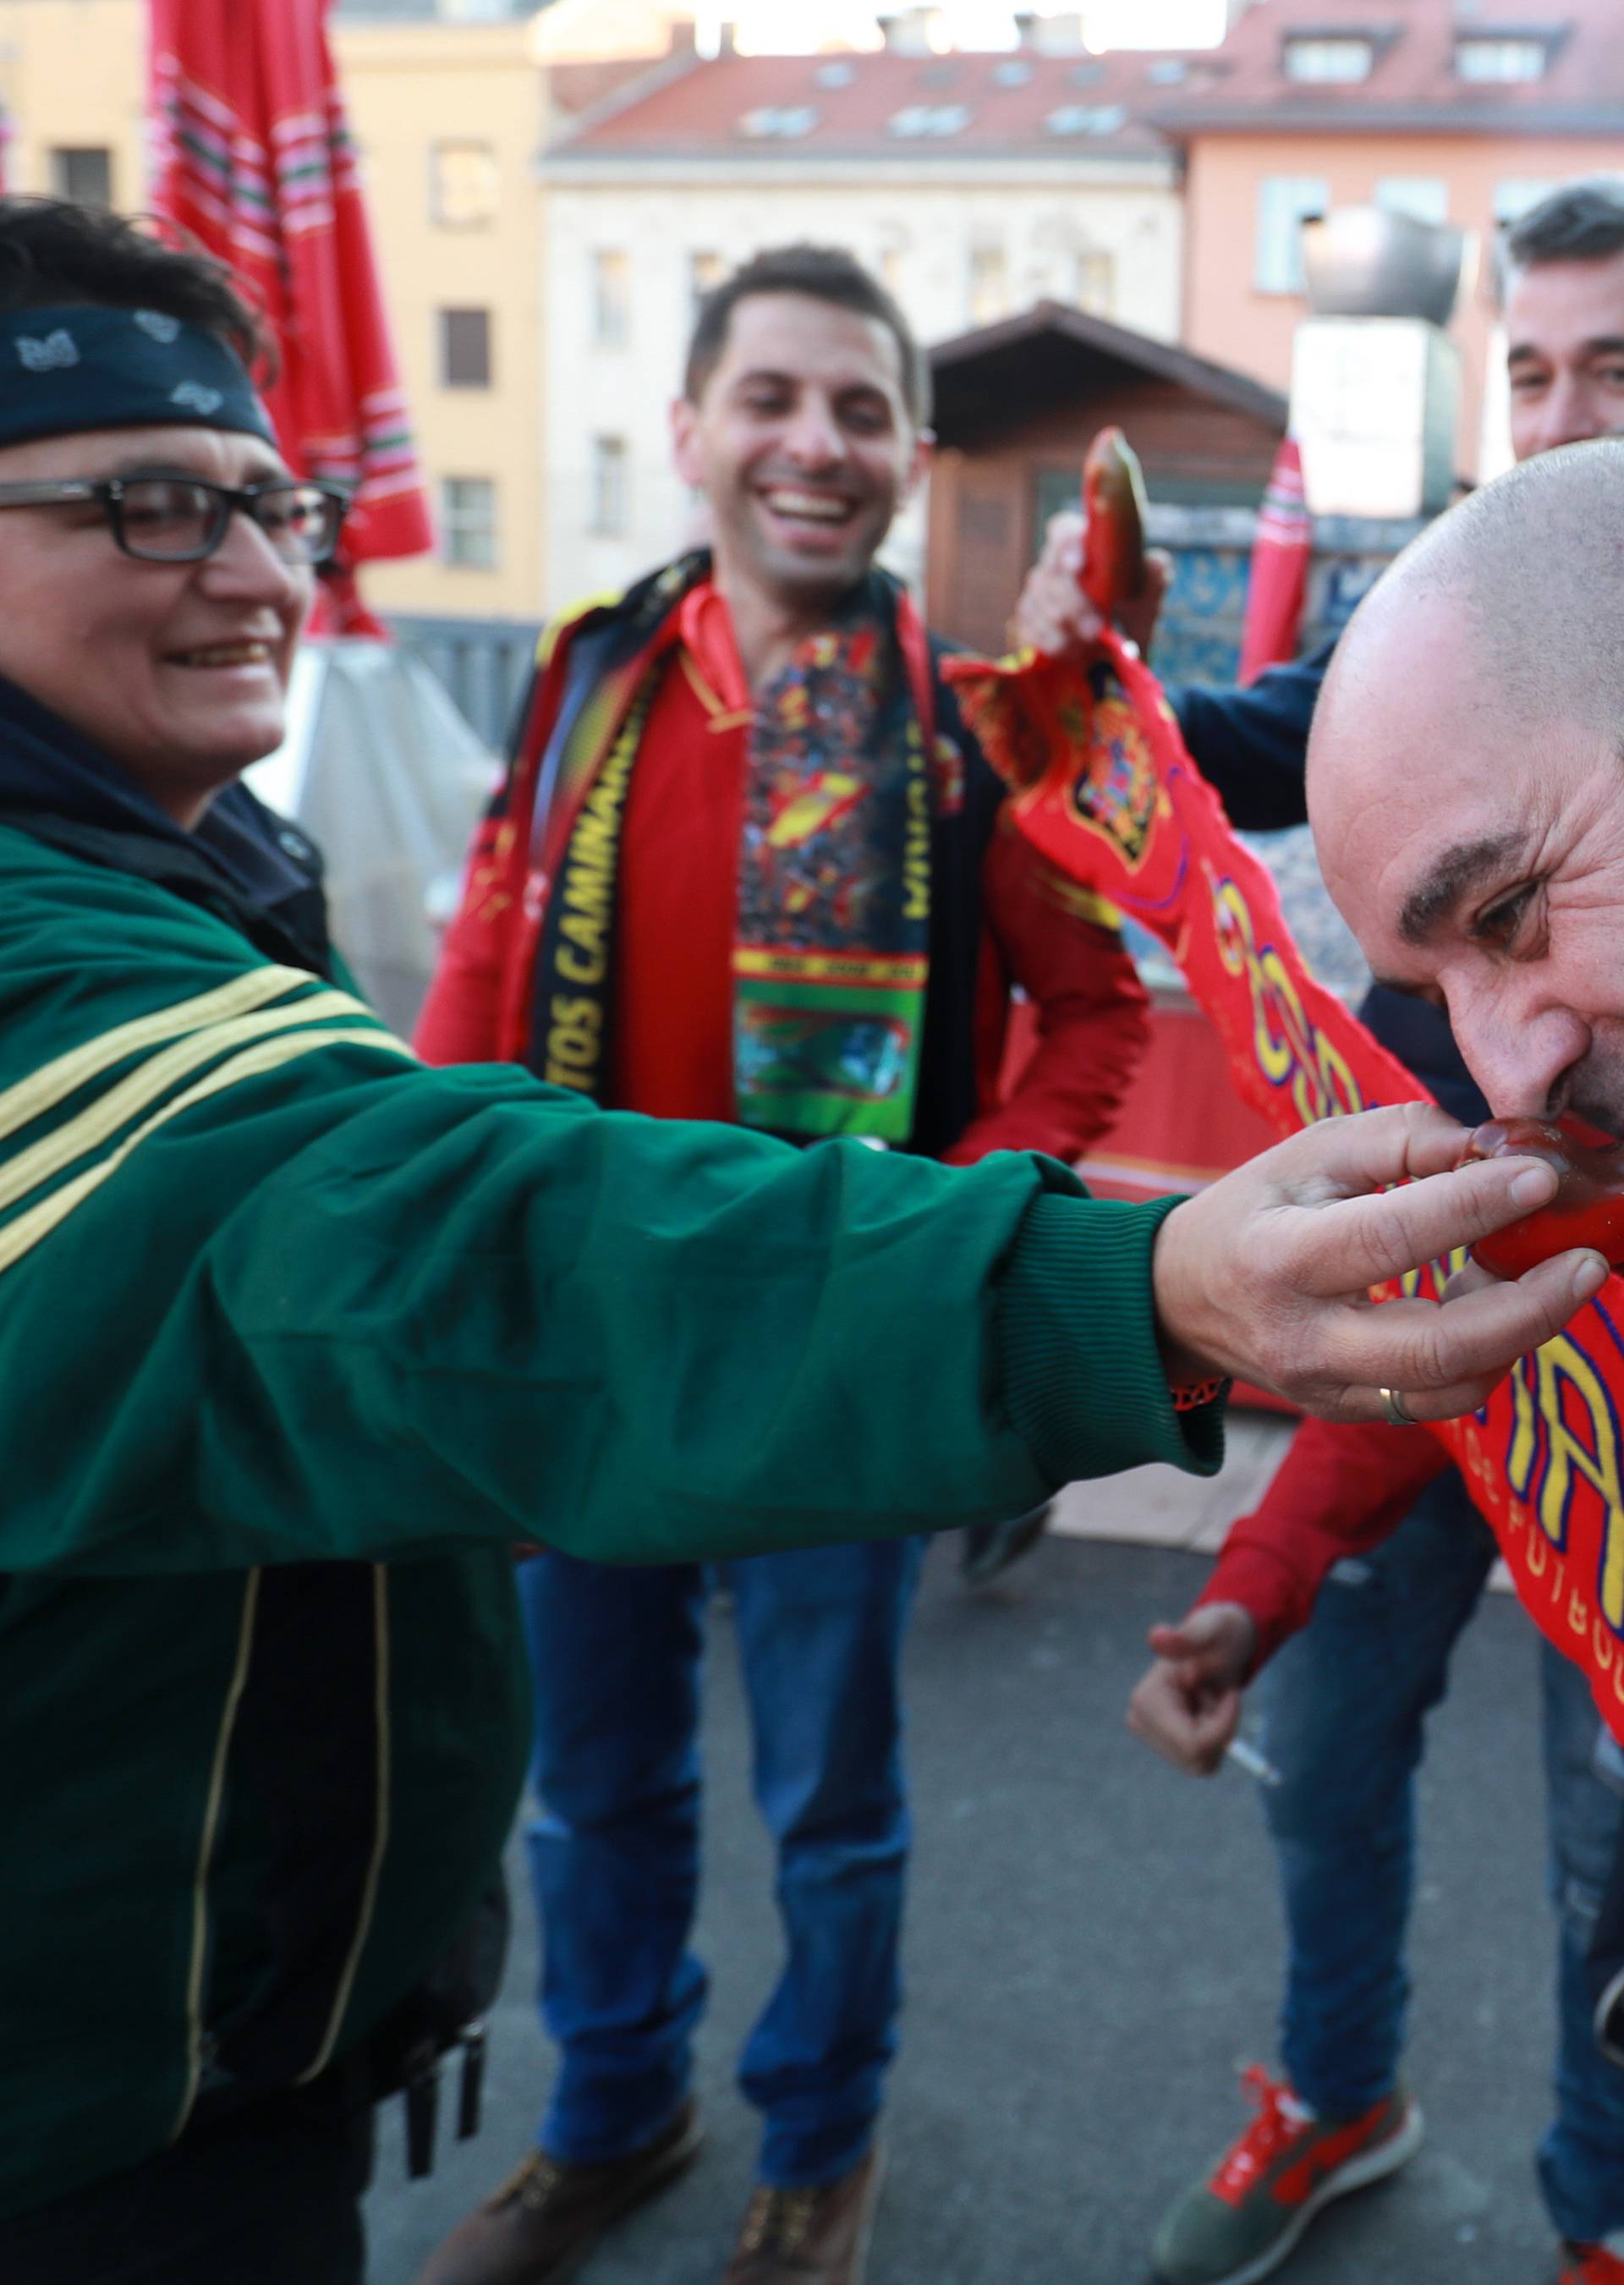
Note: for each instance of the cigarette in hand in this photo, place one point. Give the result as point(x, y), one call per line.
point(1248, 1758)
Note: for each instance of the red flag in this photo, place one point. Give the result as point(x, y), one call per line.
point(252, 154)
point(1279, 580)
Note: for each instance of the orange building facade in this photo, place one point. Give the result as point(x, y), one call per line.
point(1230, 318)
point(1311, 104)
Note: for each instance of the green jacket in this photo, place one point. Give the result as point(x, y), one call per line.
point(296, 1338)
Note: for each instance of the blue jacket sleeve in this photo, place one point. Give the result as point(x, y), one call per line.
point(1251, 744)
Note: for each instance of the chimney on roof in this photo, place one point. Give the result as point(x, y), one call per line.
point(1060, 34)
point(707, 34)
point(911, 31)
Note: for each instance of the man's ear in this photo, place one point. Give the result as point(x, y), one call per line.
point(919, 461)
point(685, 441)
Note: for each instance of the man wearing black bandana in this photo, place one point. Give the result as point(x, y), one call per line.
point(296, 1337)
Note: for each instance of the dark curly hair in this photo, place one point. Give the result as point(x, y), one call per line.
point(825, 273)
point(51, 252)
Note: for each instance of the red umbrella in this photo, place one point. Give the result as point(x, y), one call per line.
point(253, 156)
point(1279, 580)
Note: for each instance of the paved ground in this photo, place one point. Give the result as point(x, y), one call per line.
point(1094, 1945)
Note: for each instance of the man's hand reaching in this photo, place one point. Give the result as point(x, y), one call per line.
point(1264, 1276)
point(1054, 616)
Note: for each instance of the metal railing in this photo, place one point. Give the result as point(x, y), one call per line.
point(484, 663)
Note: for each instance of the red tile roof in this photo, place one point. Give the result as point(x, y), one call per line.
point(1414, 82)
point(843, 106)
point(576, 87)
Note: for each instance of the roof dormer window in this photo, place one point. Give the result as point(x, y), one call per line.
point(1085, 119)
point(1493, 60)
point(1337, 60)
point(779, 121)
point(938, 118)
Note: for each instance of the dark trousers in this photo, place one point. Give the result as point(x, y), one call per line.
point(267, 2196)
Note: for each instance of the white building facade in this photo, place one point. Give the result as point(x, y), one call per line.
point(631, 242)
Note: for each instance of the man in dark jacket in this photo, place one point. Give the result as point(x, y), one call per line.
point(1347, 1699)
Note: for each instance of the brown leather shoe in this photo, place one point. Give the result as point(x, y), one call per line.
point(810, 2237)
point(548, 2216)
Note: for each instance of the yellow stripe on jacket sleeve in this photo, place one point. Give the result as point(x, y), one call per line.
point(53, 1082)
point(20, 1235)
point(77, 1137)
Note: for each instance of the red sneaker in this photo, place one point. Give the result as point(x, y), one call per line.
point(1244, 2220)
point(1592, 2264)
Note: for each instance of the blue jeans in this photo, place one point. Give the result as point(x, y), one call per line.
point(1345, 1707)
point(614, 1851)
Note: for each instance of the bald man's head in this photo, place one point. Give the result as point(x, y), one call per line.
point(1466, 781)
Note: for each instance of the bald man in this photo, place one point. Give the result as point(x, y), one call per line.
point(1347, 1701)
point(1491, 883)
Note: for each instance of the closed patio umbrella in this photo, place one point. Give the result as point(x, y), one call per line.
point(1279, 557)
point(252, 155)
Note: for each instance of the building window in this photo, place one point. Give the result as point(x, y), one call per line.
point(706, 272)
point(775, 121)
point(1085, 119)
point(1496, 62)
point(930, 119)
point(82, 173)
point(1330, 62)
point(465, 184)
point(465, 348)
point(1093, 281)
point(610, 486)
point(611, 298)
point(1424, 196)
point(467, 522)
point(1284, 203)
point(989, 285)
point(1515, 196)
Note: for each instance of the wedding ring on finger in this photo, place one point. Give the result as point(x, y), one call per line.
point(1394, 1406)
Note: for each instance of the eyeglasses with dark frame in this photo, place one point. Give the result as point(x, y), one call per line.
point(174, 519)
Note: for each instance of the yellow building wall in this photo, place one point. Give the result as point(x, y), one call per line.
point(409, 87)
point(72, 74)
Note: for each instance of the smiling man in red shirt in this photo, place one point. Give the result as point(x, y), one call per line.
point(750, 867)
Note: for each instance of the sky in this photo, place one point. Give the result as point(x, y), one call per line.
point(796, 25)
